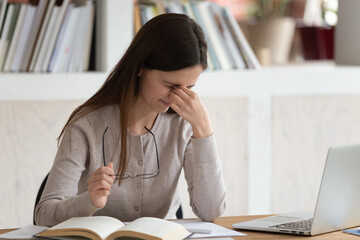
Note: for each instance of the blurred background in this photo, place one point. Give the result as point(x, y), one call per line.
point(287, 31)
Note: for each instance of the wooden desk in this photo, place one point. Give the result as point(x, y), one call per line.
point(228, 221)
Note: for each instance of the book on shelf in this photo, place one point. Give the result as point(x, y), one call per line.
point(13, 20)
point(88, 26)
point(193, 12)
point(147, 12)
point(45, 45)
point(220, 48)
point(74, 50)
point(40, 40)
point(6, 33)
point(137, 18)
point(109, 228)
point(31, 35)
point(174, 7)
point(240, 40)
point(227, 37)
point(227, 47)
point(15, 37)
point(3, 7)
point(25, 31)
point(62, 40)
point(54, 34)
point(34, 34)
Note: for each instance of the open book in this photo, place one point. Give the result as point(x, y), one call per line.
point(101, 227)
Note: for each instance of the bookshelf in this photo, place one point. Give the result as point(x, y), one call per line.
point(115, 31)
point(307, 79)
point(110, 42)
point(245, 99)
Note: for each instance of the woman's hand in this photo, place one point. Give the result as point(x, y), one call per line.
point(189, 106)
point(99, 185)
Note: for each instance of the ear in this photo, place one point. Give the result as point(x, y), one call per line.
point(140, 72)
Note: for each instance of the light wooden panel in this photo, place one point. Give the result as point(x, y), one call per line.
point(230, 122)
point(28, 133)
point(303, 129)
point(28, 145)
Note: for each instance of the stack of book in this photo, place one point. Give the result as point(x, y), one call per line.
point(45, 35)
point(227, 46)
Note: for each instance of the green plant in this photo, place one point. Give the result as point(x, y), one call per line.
point(267, 9)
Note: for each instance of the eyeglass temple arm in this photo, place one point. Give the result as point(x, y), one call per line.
point(103, 145)
point(157, 154)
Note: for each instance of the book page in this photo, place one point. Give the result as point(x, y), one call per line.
point(214, 229)
point(26, 232)
point(158, 228)
point(101, 225)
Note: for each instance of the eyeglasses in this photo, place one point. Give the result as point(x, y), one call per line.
point(135, 175)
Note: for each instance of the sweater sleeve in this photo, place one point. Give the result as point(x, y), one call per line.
point(60, 199)
point(203, 173)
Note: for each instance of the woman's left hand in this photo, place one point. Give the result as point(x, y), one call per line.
point(189, 106)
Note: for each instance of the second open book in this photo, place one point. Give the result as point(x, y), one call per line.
point(108, 228)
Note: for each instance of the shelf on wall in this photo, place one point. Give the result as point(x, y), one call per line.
point(49, 87)
point(280, 80)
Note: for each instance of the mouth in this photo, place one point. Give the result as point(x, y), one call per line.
point(165, 103)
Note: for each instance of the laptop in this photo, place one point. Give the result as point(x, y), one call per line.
point(338, 202)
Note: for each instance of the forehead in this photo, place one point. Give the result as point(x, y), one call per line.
point(183, 77)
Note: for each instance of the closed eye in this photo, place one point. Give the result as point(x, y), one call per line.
point(173, 86)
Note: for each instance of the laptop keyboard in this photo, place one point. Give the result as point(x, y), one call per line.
point(302, 225)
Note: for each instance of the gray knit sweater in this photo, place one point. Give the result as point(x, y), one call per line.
point(80, 154)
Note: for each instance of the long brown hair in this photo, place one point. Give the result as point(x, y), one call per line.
point(168, 42)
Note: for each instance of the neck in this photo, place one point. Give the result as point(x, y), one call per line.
point(141, 116)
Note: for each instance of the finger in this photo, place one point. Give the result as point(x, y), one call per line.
point(175, 107)
point(106, 170)
point(180, 93)
point(93, 180)
point(188, 91)
point(175, 99)
point(110, 165)
point(104, 192)
point(100, 185)
point(98, 177)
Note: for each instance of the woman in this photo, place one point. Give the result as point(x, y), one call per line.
point(122, 151)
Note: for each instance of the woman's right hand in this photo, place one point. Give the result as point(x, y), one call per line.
point(99, 185)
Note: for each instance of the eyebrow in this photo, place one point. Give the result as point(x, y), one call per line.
point(177, 85)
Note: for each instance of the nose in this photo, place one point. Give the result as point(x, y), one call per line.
point(170, 91)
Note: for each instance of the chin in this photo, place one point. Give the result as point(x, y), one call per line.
point(163, 110)
point(159, 109)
